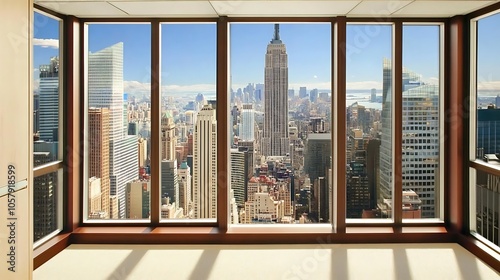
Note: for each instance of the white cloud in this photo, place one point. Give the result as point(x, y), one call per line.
point(136, 87)
point(431, 80)
point(364, 85)
point(489, 85)
point(315, 76)
point(46, 43)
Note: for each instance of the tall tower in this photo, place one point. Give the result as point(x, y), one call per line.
point(49, 100)
point(170, 181)
point(44, 199)
point(247, 132)
point(205, 164)
point(168, 137)
point(275, 140)
point(105, 87)
point(185, 200)
point(420, 159)
point(99, 153)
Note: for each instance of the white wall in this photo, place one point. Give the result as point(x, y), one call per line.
point(15, 134)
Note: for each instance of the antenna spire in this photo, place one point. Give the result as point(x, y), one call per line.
point(276, 32)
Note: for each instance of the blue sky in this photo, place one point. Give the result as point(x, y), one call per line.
point(189, 52)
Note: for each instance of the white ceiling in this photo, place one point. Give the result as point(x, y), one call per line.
point(264, 8)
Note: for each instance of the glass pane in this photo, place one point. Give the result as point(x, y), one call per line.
point(47, 210)
point(487, 206)
point(280, 123)
point(188, 122)
point(119, 121)
point(421, 129)
point(488, 90)
point(369, 121)
point(46, 98)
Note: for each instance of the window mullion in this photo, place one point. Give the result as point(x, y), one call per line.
point(155, 123)
point(222, 125)
point(398, 123)
point(339, 145)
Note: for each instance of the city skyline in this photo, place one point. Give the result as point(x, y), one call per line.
point(246, 57)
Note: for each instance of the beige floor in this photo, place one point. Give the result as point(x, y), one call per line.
point(317, 261)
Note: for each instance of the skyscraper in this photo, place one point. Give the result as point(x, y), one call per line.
point(105, 88)
point(105, 85)
point(238, 176)
point(44, 199)
point(185, 192)
point(168, 137)
point(205, 164)
point(247, 132)
point(488, 131)
point(420, 158)
point(99, 154)
point(138, 199)
point(169, 181)
point(49, 100)
point(302, 92)
point(275, 141)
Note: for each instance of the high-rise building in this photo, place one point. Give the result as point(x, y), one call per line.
point(44, 199)
point(247, 131)
point(125, 168)
point(205, 164)
point(138, 199)
point(238, 176)
point(98, 122)
point(185, 189)
point(95, 199)
point(373, 95)
point(259, 92)
point(105, 88)
point(49, 100)
point(357, 192)
point(143, 152)
point(385, 180)
point(488, 131)
point(317, 163)
point(302, 92)
point(420, 158)
point(313, 95)
point(168, 137)
point(318, 155)
point(105, 85)
point(275, 141)
point(169, 180)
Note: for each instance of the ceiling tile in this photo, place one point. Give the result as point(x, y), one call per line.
point(378, 8)
point(84, 9)
point(283, 8)
point(441, 8)
point(166, 8)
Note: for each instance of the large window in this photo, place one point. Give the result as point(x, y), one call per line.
point(47, 127)
point(188, 122)
point(280, 125)
point(118, 119)
point(280, 115)
point(421, 123)
point(485, 129)
point(369, 121)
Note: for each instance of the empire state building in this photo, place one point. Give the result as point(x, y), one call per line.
point(275, 140)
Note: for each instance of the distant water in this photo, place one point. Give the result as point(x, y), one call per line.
point(363, 98)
